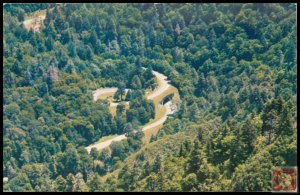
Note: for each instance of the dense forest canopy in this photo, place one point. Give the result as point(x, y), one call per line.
point(233, 64)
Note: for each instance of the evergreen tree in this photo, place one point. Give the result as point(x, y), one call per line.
point(70, 181)
point(94, 184)
point(79, 184)
point(136, 82)
point(248, 134)
point(195, 113)
point(93, 38)
point(89, 53)
point(60, 184)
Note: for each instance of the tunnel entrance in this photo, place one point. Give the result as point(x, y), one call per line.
point(167, 98)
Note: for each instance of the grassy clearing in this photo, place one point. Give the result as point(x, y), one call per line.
point(35, 24)
point(107, 96)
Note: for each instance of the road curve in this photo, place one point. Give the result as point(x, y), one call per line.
point(102, 91)
point(163, 86)
point(162, 119)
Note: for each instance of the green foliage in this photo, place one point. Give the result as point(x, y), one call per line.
point(234, 66)
point(276, 119)
point(60, 184)
point(247, 178)
point(20, 183)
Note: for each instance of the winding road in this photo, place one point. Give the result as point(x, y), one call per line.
point(163, 86)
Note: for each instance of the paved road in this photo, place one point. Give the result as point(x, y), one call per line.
point(103, 91)
point(163, 86)
point(162, 119)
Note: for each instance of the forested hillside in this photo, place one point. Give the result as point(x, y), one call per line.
point(234, 65)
